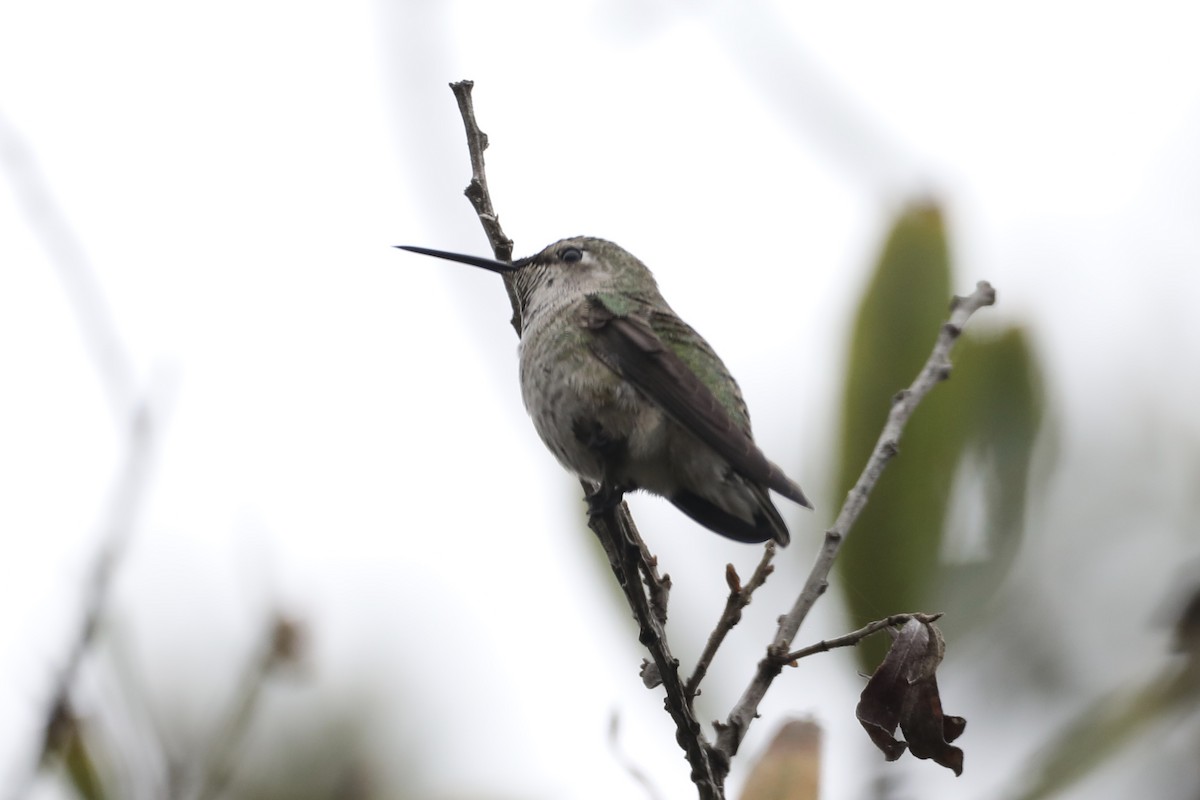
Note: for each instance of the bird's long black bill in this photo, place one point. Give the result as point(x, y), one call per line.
point(475, 261)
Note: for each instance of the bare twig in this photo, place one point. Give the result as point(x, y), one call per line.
point(115, 532)
point(632, 563)
point(96, 325)
point(479, 195)
point(281, 645)
point(136, 417)
point(739, 598)
point(658, 586)
point(936, 369)
point(477, 191)
point(638, 775)
point(854, 637)
point(624, 556)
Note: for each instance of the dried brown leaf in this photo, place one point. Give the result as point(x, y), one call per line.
point(903, 693)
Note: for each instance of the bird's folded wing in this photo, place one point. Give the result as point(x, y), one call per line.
point(630, 347)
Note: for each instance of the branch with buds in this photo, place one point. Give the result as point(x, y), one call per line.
point(917, 645)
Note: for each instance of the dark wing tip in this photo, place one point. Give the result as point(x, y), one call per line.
point(787, 487)
point(782, 537)
point(768, 525)
point(718, 520)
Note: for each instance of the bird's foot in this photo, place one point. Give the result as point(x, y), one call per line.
point(606, 497)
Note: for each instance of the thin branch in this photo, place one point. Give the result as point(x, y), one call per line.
point(502, 246)
point(638, 775)
point(281, 645)
point(477, 191)
point(479, 195)
point(137, 418)
point(632, 563)
point(936, 369)
point(115, 532)
point(47, 220)
point(636, 569)
point(621, 542)
point(854, 637)
point(739, 598)
point(658, 586)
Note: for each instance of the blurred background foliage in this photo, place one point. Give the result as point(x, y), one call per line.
point(972, 442)
point(1042, 531)
point(978, 428)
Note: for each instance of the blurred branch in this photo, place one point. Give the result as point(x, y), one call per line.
point(1120, 717)
point(65, 738)
point(138, 418)
point(47, 220)
point(936, 369)
point(115, 532)
point(281, 645)
point(631, 561)
point(635, 772)
point(1108, 724)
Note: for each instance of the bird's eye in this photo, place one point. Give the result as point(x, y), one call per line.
point(571, 255)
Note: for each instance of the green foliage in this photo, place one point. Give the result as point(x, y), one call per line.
point(326, 757)
point(81, 769)
point(68, 749)
point(990, 410)
point(1144, 710)
point(887, 563)
point(996, 392)
point(1109, 724)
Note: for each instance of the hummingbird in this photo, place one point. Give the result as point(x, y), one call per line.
point(628, 396)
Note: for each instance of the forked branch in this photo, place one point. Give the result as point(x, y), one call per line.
point(936, 369)
point(631, 561)
point(636, 569)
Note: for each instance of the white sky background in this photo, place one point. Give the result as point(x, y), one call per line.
point(344, 434)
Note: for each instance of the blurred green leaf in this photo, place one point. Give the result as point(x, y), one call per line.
point(1110, 723)
point(82, 770)
point(996, 389)
point(65, 739)
point(1123, 716)
point(324, 755)
point(887, 564)
point(989, 410)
